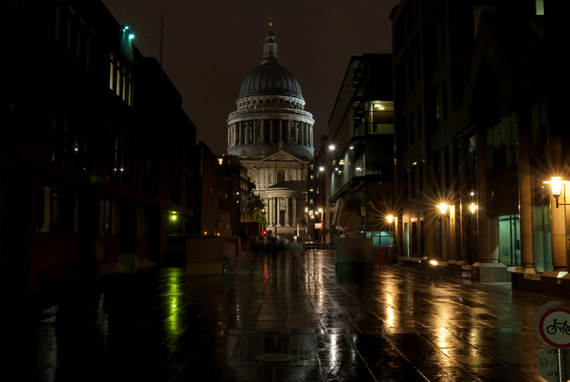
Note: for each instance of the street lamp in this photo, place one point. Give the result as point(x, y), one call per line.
point(442, 208)
point(556, 183)
point(473, 207)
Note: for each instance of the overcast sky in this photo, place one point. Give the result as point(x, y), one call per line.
point(210, 46)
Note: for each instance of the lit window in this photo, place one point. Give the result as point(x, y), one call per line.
point(539, 7)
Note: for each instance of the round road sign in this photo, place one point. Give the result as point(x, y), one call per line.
point(554, 326)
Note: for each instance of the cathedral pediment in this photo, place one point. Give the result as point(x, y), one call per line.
point(281, 156)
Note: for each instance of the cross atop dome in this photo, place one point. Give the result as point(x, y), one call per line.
point(270, 46)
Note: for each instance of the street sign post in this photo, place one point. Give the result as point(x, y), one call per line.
point(554, 327)
point(553, 323)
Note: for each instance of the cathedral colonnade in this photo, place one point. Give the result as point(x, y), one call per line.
point(250, 131)
point(281, 211)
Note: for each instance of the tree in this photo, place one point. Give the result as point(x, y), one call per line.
point(255, 206)
point(259, 217)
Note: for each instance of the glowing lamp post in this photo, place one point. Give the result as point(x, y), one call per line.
point(557, 184)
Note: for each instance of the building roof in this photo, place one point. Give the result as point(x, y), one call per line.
point(270, 78)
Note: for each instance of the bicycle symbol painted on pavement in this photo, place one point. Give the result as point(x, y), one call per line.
point(556, 326)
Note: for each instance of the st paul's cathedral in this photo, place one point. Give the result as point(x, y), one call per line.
point(272, 135)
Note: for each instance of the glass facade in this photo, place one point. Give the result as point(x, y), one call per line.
point(381, 238)
point(510, 240)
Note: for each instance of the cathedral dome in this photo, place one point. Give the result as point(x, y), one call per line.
point(270, 115)
point(270, 79)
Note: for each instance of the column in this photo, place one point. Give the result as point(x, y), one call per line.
point(488, 268)
point(294, 208)
point(270, 131)
point(267, 211)
point(525, 197)
point(286, 203)
point(249, 135)
point(280, 131)
point(238, 133)
point(557, 215)
point(278, 212)
point(271, 211)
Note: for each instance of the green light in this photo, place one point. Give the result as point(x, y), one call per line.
point(173, 216)
point(131, 36)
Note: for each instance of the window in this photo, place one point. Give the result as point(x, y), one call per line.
point(57, 210)
point(120, 79)
point(69, 141)
point(110, 217)
point(539, 7)
point(119, 158)
point(501, 142)
point(143, 224)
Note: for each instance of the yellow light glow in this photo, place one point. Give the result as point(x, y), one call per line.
point(556, 184)
point(390, 218)
point(433, 262)
point(442, 208)
point(473, 207)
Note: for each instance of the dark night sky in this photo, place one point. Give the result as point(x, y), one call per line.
point(209, 46)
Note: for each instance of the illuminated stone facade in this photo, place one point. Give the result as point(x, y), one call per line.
point(273, 136)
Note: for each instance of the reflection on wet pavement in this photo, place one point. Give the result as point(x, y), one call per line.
point(284, 318)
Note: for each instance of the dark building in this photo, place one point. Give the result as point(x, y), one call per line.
point(478, 130)
point(95, 151)
point(361, 135)
point(233, 192)
point(319, 192)
point(208, 213)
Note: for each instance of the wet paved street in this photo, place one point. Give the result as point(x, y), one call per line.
point(286, 319)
